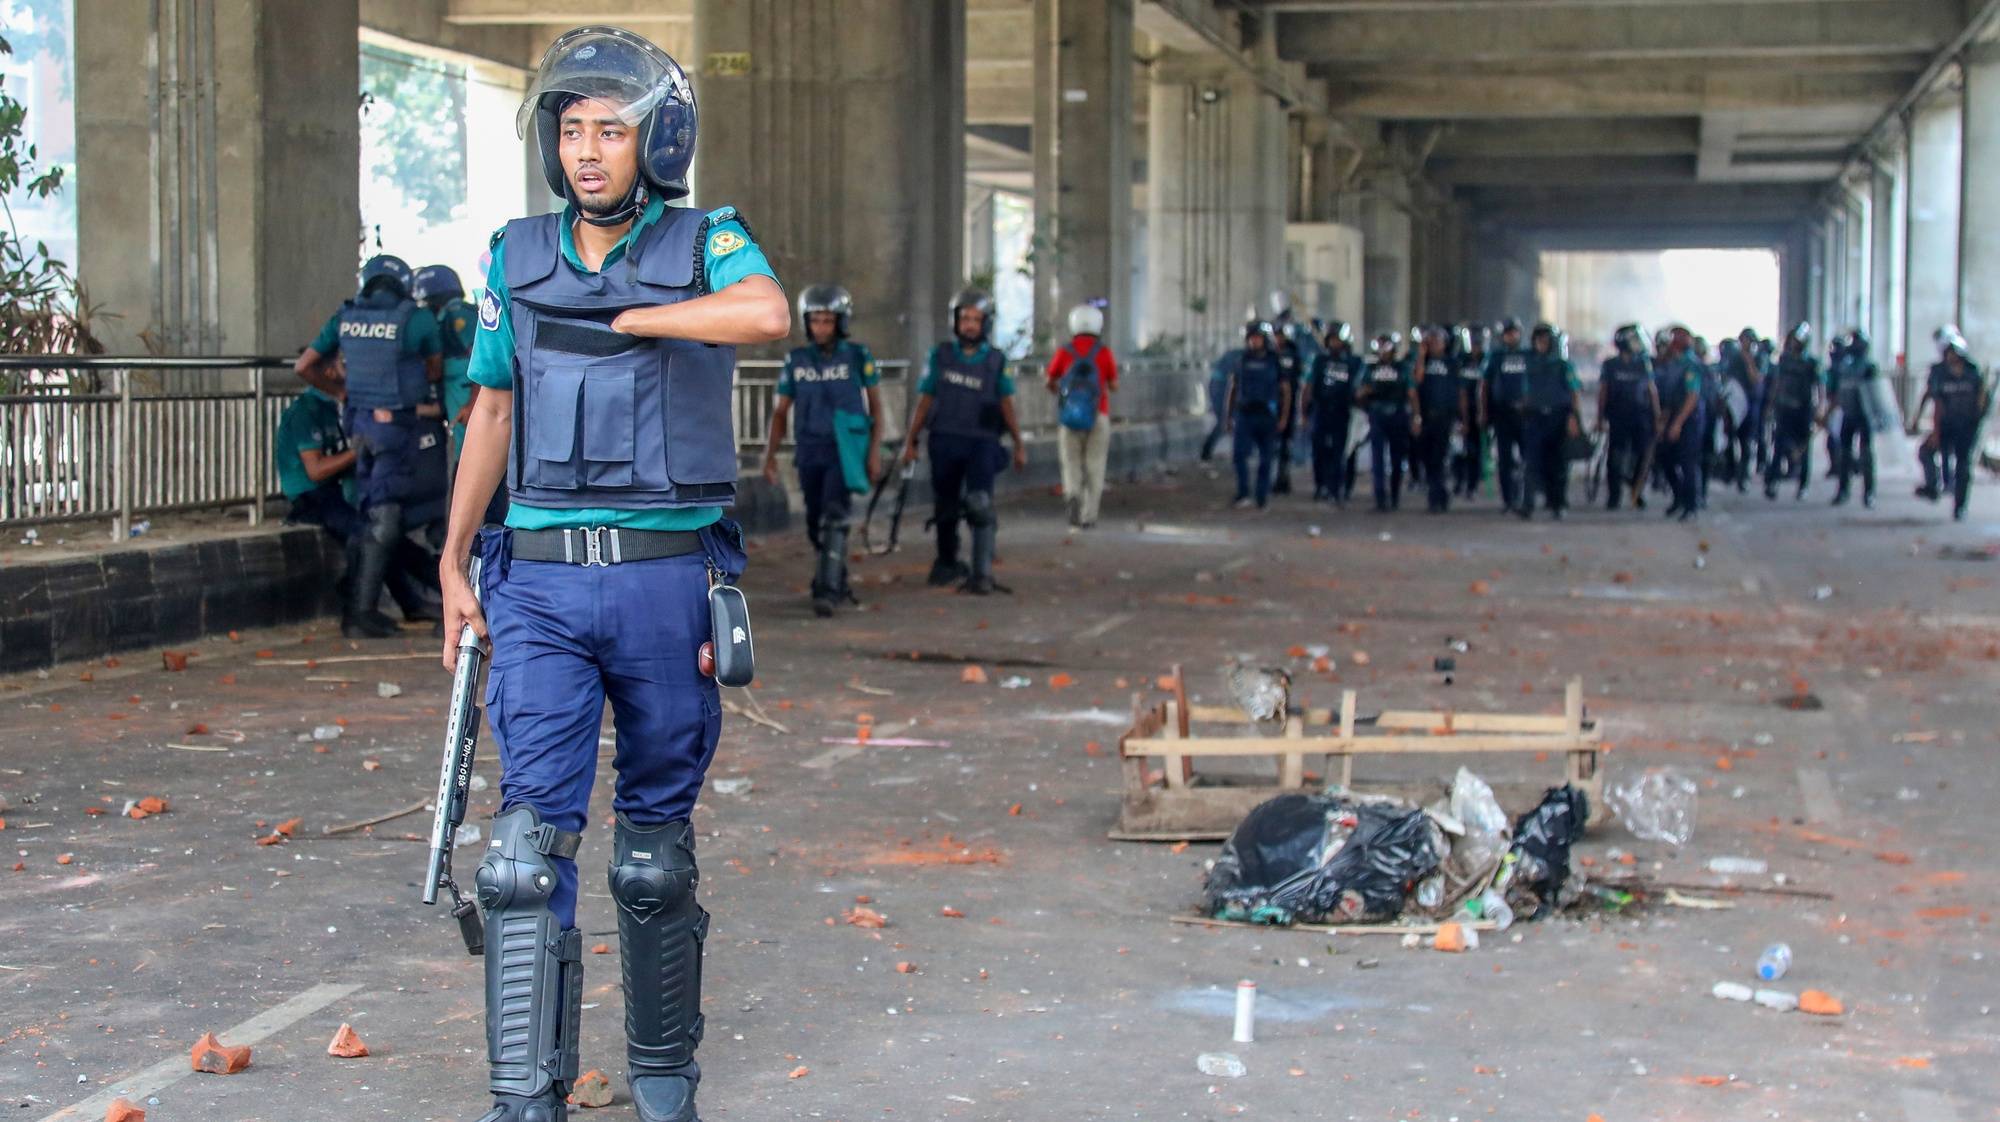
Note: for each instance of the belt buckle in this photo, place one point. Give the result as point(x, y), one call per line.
point(593, 546)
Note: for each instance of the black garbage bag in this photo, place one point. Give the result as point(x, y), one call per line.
point(1535, 872)
point(1316, 858)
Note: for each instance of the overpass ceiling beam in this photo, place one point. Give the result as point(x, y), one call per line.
point(1527, 171)
point(573, 13)
point(1564, 94)
point(1648, 236)
point(1648, 136)
point(1659, 204)
point(1628, 32)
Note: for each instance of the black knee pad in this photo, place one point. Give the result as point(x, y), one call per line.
point(661, 930)
point(654, 870)
point(385, 523)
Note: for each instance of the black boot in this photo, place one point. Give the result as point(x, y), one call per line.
point(945, 572)
point(830, 579)
point(660, 932)
point(534, 972)
point(370, 557)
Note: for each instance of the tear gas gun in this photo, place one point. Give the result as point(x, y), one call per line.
point(461, 740)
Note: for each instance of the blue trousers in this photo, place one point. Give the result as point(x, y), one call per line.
point(1388, 449)
point(400, 461)
point(1329, 448)
point(567, 638)
point(1256, 433)
point(960, 465)
point(823, 484)
point(1683, 462)
point(1543, 467)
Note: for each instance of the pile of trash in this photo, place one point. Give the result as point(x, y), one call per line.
point(1342, 857)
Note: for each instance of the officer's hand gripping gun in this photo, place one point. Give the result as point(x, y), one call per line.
point(461, 739)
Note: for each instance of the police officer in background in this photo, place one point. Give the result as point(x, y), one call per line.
point(438, 289)
point(1797, 386)
point(394, 360)
point(1745, 366)
point(1677, 379)
point(1291, 371)
point(1469, 469)
point(1552, 410)
point(1851, 383)
point(966, 398)
point(1628, 406)
point(604, 356)
point(1298, 338)
point(1959, 397)
point(1440, 413)
point(1254, 398)
point(1389, 396)
point(836, 446)
point(1711, 414)
point(1329, 406)
point(1506, 385)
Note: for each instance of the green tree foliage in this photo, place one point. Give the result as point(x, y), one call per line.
point(42, 307)
point(413, 112)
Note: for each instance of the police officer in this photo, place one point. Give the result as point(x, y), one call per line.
point(1960, 397)
point(1628, 406)
point(438, 289)
point(831, 381)
point(1254, 398)
point(1291, 375)
point(1551, 413)
point(1389, 396)
point(1329, 404)
point(1290, 334)
point(1745, 367)
point(1440, 413)
point(393, 359)
point(1472, 341)
point(1711, 414)
point(1677, 380)
point(605, 350)
point(1506, 384)
point(1851, 387)
point(1797, 386)
point(967, 399)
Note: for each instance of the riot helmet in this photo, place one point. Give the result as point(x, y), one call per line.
point(1630, 340)
point(1435, 336)
point(1340, 332)
point(826, 298)
point(1086, 319)
point(436, 285)
point(641, 83)
point(1385, 343)
point(385, 271)
point(1949, 339)
point(1855, 343)
point(1799, 338)
point(979, 298)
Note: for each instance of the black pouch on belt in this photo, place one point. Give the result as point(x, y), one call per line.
point(729, 622)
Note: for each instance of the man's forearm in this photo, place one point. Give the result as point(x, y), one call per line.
point(752, 310)
point(481, 466)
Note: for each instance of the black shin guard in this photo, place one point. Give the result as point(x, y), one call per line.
point(534, 971)
point(985, 523)
point(830, 578)
point(660, 930)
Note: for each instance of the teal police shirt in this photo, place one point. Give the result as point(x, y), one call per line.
point(311, 423)
point(729, 256)
point(928, 383)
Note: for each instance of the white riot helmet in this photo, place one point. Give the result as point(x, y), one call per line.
point(1086, 319)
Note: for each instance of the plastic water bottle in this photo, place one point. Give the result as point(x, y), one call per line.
point(1772, 964)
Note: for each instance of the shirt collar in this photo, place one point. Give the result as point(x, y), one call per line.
point(655, 207)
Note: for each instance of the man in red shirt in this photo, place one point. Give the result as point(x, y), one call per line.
point(1082, 376)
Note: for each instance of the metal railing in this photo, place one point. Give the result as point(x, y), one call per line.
point(85, 437)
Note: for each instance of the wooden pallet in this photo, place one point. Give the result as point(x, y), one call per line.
point(1175, 804)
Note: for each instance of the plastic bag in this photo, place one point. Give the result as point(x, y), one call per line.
point(1535, 873)
point(1472, 837)
point(1657, 804)
point(1303, 858)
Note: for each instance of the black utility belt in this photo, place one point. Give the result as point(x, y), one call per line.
point(602, 545)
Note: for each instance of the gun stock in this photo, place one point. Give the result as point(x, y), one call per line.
point(461, 741)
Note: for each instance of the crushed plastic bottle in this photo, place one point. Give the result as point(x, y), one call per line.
point(1772, 964)
point(327, 732)
point(388, 689)
point(1777, 999)
point(1738, 866)
point(1732, 991)
point(1015, 682)
point(1657, 804)
point(731, 784)
point(1220, 1065)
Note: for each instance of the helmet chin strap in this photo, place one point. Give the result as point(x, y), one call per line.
point(635, 201)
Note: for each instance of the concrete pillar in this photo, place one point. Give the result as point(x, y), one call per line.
point(1388, 235)
point(838, 128)
point(1215, 224)
point(218, 148)
point(1930, 240)
point(1083, 162)
point(1884, 266)
point(1979, 213)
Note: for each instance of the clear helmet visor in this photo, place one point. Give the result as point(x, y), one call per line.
point(629, 75)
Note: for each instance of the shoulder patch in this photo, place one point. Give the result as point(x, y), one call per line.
point(489, 312)
point(722, 243)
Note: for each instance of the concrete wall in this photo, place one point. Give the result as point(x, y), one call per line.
point(206, 240)
point(1324, 270)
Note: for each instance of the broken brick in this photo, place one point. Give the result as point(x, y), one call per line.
point(1450, 937)
point(65, 858)
point(950, 912)
point(174, 661)
point(1060, 681)
point(212, 1057)
point(1820, 1004)
point(973, 676)
point(864, 917)
point(601, 948)
point(371, 765)
point(906, 968)
point(288, 827)
point(346, 1045)
point(1480, 588)
point(799, 1072)
point(591, 1089)
point(121, 1110)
